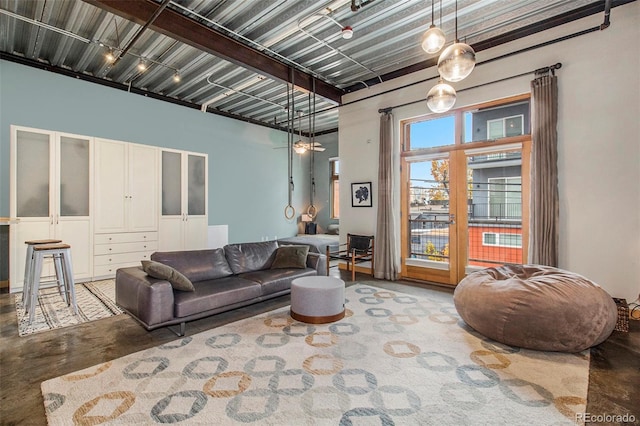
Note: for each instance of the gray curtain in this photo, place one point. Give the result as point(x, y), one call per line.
point(386, 259)
point(544, 209)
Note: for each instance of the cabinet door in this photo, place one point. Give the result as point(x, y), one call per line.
point(110, 186)
point(143, 188)
point(72, 222)
point(170, 233)
point(195, 233)
point(196, 185)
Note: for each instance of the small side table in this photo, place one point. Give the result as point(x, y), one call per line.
point(317, 299)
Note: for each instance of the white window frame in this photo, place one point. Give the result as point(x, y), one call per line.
point(498, 243)
point(504, 125)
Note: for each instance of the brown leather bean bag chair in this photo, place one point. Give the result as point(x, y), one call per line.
point(536, 307)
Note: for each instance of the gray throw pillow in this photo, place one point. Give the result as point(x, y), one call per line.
point(165, 272)
point(291, 257)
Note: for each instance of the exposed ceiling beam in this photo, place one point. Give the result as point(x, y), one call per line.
point(193, 33)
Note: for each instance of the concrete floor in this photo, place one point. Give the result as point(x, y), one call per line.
point(614, 375)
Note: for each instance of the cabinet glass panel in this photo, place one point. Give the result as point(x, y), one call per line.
point(74, 177)
point(32, 174)
point(196, 189)
point(171, 183)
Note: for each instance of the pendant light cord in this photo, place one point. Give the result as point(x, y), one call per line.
point(457, 21)
point(289, 210)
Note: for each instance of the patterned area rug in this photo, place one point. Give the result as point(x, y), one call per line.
point(394, 359)
point(95, 300)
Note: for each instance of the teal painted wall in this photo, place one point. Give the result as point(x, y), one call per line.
point(247, 176)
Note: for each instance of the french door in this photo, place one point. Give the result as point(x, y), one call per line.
point(462, 193)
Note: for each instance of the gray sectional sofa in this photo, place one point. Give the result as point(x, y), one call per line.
point(223, 279)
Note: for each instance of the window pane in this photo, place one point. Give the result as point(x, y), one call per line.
point(32, 174)
point(196, 185)
point(432, 133)
point(513, 126)
point(171, 183)
point(490, 239)
point(495, 208)
point(511, 240)
point(495, 129)
point(497, 122)
point(74, 177)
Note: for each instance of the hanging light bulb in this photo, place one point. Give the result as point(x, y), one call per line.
point(299, 149)
point(458, 60)
point(110, 56)
point(177, 77)
point(441, 97)
point(433, 39)
point(142, 65)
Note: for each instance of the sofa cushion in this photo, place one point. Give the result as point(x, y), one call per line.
point(197, 265)
point(290, 257)
point(215, 294)
point(166, 272)
point(246, 257)
point(277, 280)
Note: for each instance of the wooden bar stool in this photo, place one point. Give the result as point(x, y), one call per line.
point(62, 258)
point(27, 267)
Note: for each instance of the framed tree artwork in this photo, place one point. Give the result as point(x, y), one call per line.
point(361, 194)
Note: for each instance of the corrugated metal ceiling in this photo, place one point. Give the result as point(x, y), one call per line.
point(74, 36)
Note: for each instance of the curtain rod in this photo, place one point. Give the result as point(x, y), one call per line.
point(543, 70)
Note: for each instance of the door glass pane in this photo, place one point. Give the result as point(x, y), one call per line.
point(432, 133)
point(495, 208)
point(32, 174)
point(429, 210)
point(74, 177)
point(196, 185)
point(171, 183)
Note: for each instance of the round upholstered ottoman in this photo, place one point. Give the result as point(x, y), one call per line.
point(536, 307)
point(317, 300)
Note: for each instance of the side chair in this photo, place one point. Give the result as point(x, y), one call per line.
point(357, 249)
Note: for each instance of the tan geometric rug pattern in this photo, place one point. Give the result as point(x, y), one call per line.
point(394, 359)
point(95, 300)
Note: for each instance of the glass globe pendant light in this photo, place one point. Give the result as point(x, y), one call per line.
point(433, 39)
point(441, 97)
point(458, 60)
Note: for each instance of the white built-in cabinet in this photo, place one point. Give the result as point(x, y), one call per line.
point(183, 201)
point(114, 202)
point(51, 197)
point(126, 205)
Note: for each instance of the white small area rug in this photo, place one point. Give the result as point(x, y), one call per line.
point(95, 300)
point(394, 359)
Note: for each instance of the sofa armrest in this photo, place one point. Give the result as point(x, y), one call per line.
point(318, 262)
point(148, 299)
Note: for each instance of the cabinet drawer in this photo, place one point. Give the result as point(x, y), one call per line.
point(125, 237)
point(113, 259)
point(110, 270)
point(117, 248)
